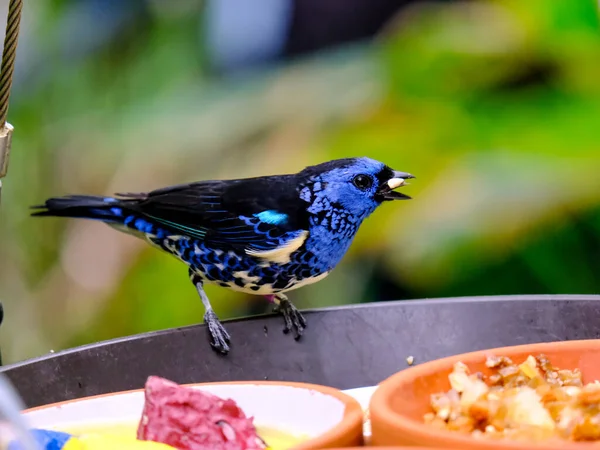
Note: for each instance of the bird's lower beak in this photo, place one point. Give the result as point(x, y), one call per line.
point(386, 190)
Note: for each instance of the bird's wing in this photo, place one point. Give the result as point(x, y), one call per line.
point(262, 216)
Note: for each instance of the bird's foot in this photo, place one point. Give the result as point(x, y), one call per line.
point(293, 319)
point(219, 337)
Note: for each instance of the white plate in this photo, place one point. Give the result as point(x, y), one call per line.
point(280, 406)
point(363, 396)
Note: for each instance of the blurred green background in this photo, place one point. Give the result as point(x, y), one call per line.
point(493, 105)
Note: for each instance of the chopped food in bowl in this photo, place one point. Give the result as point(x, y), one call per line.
point(536, 396)
point(528, 400)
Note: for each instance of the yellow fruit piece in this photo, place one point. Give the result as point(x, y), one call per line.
point(529, 367)
point(73, 444)
point(107, 441)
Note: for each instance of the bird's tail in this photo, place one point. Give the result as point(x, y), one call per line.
point(106, 209)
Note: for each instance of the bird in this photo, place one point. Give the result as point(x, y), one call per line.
point(264, 235)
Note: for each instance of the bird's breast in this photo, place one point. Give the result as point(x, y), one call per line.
point(330, 236)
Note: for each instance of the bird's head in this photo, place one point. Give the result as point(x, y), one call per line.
point(356, 185)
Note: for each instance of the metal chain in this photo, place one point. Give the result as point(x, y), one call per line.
point(7, 68)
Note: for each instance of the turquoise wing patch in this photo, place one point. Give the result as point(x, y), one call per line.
point(272, 217)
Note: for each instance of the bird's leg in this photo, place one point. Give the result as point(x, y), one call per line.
point(294, 320)
point(219, 337)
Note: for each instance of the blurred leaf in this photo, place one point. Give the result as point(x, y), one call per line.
point(492, 105)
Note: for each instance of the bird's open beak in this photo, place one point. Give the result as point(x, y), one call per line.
point(386, 190)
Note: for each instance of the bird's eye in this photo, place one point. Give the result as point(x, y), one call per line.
point(363, 182)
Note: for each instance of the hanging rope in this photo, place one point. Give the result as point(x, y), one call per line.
point(7, 68)
point(8, 55)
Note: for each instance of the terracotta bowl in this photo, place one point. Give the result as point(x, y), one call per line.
point(398, 405)
point(325, 416)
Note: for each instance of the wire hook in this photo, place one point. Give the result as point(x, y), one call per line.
point(5, 144)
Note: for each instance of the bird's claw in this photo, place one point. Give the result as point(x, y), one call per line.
point(294, 320)
point(219, 337)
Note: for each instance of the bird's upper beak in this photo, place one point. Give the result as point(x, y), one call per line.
point(386, 190)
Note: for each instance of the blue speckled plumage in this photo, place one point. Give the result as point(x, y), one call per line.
point(264, 235)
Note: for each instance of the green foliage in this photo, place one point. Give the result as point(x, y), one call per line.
point(494, 107)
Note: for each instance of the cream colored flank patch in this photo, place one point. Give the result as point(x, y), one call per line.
point(281, 255)
point(268, 288)
point(244, 275)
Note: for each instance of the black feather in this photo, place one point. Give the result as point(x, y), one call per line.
point(71, 206)
point(214, 207)
point(209, 210)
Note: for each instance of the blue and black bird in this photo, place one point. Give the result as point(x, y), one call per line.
point(265, 235)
